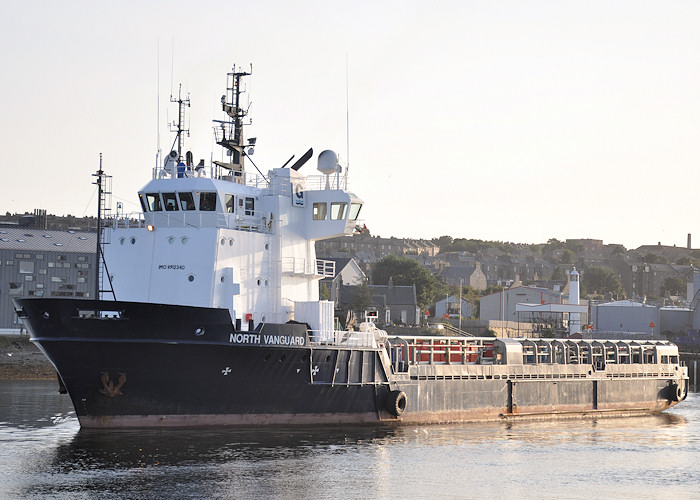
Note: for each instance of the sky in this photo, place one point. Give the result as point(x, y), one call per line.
point(513, 121)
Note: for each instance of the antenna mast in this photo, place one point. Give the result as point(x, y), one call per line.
point(229, 134)
point(179, 138)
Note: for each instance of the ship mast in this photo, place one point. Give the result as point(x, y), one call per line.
point(229, 134)
point(179, 127)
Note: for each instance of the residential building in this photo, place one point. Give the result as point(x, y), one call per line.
point(42, 263)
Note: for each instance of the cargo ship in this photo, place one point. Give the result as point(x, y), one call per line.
point(207, 313)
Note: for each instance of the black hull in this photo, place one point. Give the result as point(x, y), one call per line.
point(159, 365)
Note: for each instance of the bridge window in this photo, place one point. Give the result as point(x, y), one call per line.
point(230, 203)
point(320, 210)
point(355, 210)
point(338, 210)
point(186, 201)
point(143, 203)
point(153, 202)
point(170, 202)
point(207, 202)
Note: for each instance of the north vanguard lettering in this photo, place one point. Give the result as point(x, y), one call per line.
point(253, 338)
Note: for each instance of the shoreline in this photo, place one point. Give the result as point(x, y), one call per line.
point(20, 359)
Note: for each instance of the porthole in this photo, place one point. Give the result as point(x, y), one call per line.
point(184, 240)
point(223, 241)
point(267, 282)
point(230, 242)
point(121, 240)
point(283, 357)
point(223, 278)
point(46, 315)
point(190, 278)
point(199, 332)
point(267, 357)
point(328, 358)
point(171, 239)
point(304, 358)
point(132, 240)
point(267, 246)
point(259, 282)
point(262, 319)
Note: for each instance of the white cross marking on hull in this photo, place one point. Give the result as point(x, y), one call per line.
point(226, 371)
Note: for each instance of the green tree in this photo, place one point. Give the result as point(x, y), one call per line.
point(567, 256)
point(558, 274)
point(601, 279)
point(361, 297)
point(673, 286)
point(652, 258)
point(407, 272)
point(325, 293)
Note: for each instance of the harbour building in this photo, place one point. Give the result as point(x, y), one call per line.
point(43, 263)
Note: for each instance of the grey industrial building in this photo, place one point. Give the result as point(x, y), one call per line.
point(41, 263)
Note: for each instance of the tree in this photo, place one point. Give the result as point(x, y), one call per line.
point(567, 256)
point(601, 279)
point(673, 286)
point(407, 272)
point(558, 274)
point(361, 297)
point(325, 294)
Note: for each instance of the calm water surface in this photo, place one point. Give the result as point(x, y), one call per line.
point(44, 454)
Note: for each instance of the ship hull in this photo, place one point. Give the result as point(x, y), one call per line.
point(145, 365)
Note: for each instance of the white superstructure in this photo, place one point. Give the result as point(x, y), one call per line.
point(217, 236)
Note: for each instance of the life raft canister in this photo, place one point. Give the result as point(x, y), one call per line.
point(396, 403)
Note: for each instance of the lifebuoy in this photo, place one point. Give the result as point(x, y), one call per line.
point(396, 403)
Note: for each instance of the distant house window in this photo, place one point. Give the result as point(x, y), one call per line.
point(9, 262)
point(29, 277)
point(82, 258)
point(81, 280)
point(42, 271)
point(40, 285)
point(338, 210)
point(320, 210)
point(26, 267)
point(57, 279)
point(207, 202)
point(39, 257)
point(60, 257)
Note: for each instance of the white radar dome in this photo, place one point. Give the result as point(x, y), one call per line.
point(328, 162)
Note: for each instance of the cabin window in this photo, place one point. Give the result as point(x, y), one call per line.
point(355, 210)
point(320, 211)
point(170, 202)
point(338, 210)
point(153, 202)
point(250, 206)
point(143, 203)
point(207, 202)
point(186, 201)
point(230, 201)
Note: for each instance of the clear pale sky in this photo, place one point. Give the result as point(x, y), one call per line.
point(505, 120)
